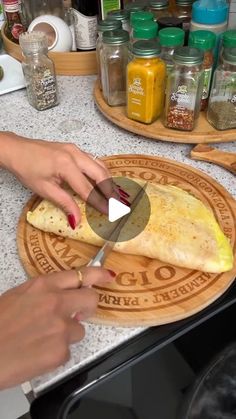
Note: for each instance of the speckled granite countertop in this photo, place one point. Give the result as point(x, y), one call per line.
point(98, 136)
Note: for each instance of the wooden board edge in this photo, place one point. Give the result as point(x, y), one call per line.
point(168, 320)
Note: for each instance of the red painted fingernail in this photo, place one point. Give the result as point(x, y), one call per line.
point(124, 201)
point(122, 192)
point(112, 273)
point(71, 221)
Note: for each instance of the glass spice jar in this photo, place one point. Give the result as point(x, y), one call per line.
point(146, 76)
point(228, 41)
point(114, 60)
point(135, 6)
point(183, 10)
point(39, 71)
point(144, 31)
point(170, 39)
point(122, 16)
point(15, 25)
point(222, 103)
point(160, 8)
point(184, 89)
point(205, 40)
point(103, 26)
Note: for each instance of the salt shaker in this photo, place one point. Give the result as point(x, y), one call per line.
point(39, 71)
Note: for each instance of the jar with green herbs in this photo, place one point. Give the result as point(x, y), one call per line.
point(103, 26)
point(222, 103)
point(205, 40)
point(39, 71)
point(184, 89)
point(114, 61)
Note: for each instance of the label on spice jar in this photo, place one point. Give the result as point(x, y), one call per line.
point(183, 98)
point(206, 83)
point(85, 31)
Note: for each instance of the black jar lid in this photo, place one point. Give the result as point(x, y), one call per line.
point(169, 22)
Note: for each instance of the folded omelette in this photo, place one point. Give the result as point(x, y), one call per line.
point(181, 230)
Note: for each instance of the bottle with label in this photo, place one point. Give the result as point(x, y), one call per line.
point(160, 8)
point(85, 21)
point(184, 89)
point(205, 40)
point(39, 71)
point(15, 26)
point(114, 61)
point(146, 76)
point(222, 103)
point(170, 39)
point(106, 6)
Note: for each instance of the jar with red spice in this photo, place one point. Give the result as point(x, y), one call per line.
point(15, 27)
point(184, 89)
point(205, 40)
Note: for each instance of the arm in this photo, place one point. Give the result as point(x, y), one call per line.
point(43, 166)
point(37, 322)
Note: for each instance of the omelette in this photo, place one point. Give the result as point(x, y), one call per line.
point(181, 230)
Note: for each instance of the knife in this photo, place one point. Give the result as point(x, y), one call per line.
point(102, 254)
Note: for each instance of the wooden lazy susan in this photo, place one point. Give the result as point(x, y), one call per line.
point(145, 291)
point(203, 133)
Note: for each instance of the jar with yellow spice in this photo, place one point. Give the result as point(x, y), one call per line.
point(146, 76)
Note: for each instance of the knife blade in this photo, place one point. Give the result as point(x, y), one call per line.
point(102, 254)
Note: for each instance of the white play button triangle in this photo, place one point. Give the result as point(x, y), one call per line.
point(116, 210)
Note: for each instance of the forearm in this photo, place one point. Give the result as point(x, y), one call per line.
point(7, 149)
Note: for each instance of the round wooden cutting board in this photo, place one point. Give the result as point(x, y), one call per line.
point(146, 291)
point(203, 133)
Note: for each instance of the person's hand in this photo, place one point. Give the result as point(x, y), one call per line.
point(43, 167)
point(38, 322)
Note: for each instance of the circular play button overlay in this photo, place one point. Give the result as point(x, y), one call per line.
point(127, 209)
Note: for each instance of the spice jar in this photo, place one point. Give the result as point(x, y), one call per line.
point(114, 60)
point(135, 6)
point(103, 26)
point(228, 41)
point(122, 16)
point(39, 71)
point(183, 10)
point(184, 89)
point(170, 39)
point(138, 17)
point(145, 31)
point(222, 103)
point(205, 40)
point(160, 8)
point(15, 25)
point(146, 75)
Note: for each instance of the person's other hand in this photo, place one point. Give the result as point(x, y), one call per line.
point(43, 166)
point(38, 322)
